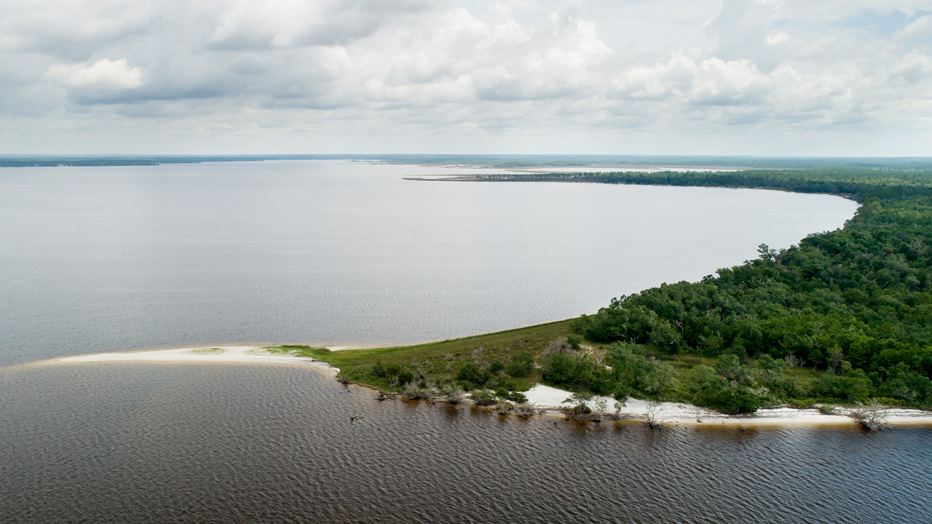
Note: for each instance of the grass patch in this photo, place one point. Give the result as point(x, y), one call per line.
point(441, 360)
point(207, 351)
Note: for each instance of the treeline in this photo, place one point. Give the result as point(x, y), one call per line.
point(846, 165)
point(857, 184)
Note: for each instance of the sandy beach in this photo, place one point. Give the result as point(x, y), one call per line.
point(248, 354)
point(552, 399)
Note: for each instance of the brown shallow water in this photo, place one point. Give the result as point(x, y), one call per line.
point(117, 442)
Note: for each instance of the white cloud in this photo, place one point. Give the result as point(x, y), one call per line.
point(527, 74)
point(780, 38)
point(105, 73)
point(920, 26)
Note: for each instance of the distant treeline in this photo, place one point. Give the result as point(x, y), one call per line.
point(859, 184)
point(496, 161)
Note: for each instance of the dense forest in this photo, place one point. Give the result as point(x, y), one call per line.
point(852, 307)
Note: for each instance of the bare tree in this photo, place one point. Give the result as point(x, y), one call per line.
point(454, 394)
point(525, 410)
point(653, 416)
point(556, 346)
point(414, 392)
point(870, 416)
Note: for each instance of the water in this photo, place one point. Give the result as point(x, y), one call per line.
point(99, 259)
point(346, 254)
point(249, 443)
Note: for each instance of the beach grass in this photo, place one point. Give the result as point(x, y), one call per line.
point(207, 351)
point(440, 360)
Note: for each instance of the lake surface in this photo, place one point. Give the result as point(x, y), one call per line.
point(258, 443)
point(346, 253)
point(328, 253)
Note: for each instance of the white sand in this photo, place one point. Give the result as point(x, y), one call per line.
point(546, 397)
point(197, 355)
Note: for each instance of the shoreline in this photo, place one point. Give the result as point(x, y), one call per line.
point(548, 400)
point(197, 354)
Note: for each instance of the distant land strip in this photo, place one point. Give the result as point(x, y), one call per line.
point(493, 161)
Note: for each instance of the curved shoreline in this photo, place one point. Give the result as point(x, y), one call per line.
point(549, 400)
point(198, 355)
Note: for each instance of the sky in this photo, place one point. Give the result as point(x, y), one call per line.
point(691, 77)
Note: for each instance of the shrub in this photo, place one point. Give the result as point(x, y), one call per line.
point(483, 397)
point(378, 370)
point(577, 373)
point(496, 367)
point(405, 376)
point(473, 375)
point(520, 365)
point(574, 341)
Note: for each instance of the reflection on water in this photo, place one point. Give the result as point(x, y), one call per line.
point(120, 442)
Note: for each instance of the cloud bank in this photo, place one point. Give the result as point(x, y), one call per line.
point(780, 77)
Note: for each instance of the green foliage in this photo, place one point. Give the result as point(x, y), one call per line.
point(378, 370)
point(497, 367)
point(473, 375)
point(638, 376)
point(483, 397)
point(577, 373)
point(714, 390)
point(574, 341)
point(856, 302)
point(520, 365)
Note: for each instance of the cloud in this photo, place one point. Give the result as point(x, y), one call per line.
point(920, 26)
point(536, 74)
point(265, 24)
point(106, 74)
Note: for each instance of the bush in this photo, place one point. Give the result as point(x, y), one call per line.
point(574, 342)
point(715, 391)
point(577, 373)
point(638, 376)
point(520, 365)
point(405, 376)
point(801, 403)
point(496, 367)
point(483, 397)
point(378, 370)
point(473, 375)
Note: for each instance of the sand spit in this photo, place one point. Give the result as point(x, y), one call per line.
point(552, 399)
point(250, 354)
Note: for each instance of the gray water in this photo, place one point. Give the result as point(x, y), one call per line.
point(260, 443)
point(346, 254)
point(99, 259)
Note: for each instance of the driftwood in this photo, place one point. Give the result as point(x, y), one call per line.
point(870, 416)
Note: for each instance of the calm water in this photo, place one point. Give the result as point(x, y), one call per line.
point(349, 254)
point(346, 254)
point(245, 443)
